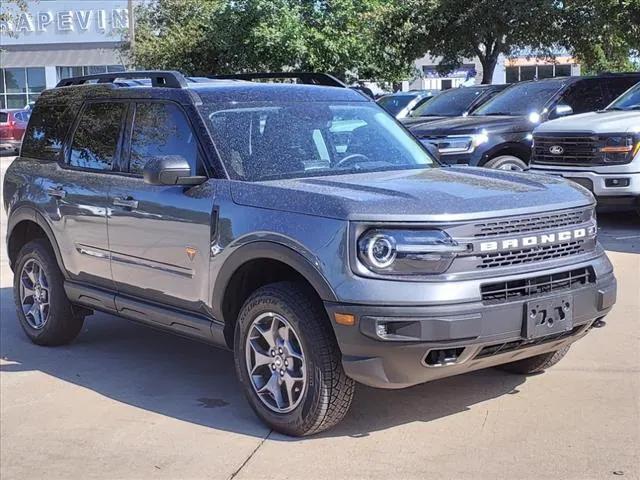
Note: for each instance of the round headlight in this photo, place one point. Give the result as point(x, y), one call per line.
point(381, 250)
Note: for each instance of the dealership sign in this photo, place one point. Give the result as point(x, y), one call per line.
point(48, 21)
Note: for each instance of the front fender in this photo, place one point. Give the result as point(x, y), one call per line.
point(273, 251)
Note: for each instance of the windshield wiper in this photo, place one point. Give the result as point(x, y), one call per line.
point(495, 114)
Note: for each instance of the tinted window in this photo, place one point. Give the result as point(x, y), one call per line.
point(47, 128)
point(521, 99)
point(585, 96)
point(394, 103)
point(96, 138)
point(3, 117)
point(290, 140)
point(451, 103)
point(161, 129)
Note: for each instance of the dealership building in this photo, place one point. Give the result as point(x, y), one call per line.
point(56, 39)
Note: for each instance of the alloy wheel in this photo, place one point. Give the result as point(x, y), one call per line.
point(275, 362)
point(34, 294)
point(511, 167)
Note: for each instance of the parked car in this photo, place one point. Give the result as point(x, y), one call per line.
point(498, 134)
point(598, 150)
point(12, 127)
point(401, 104)
point(337, 252)
point(455, 102)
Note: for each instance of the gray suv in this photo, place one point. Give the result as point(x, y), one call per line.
point(298, 225)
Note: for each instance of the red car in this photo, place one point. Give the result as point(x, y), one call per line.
point(13, 123)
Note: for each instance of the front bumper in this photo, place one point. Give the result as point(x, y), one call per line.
point(481, 335)
point(596, 179)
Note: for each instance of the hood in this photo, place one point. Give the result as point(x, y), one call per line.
point(433, 194)
point(474, 124)
point(604, 121)
point(413, 122)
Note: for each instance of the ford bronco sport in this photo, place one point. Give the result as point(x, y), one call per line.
point(299, 226)
point(598, 150)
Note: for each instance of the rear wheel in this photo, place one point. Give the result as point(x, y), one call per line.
point(289, 363)
point(43, 309)
point(535, 364)
point(507, 162)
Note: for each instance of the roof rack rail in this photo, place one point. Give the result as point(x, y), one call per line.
point(308, 78)
point(159, 78)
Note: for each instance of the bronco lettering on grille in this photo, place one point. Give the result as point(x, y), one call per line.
point(536, 240)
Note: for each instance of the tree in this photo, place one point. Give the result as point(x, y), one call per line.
point(9, 11)
point(602, 34)
point(226, 36)
point(459, 29)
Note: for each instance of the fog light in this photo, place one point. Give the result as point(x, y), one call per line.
point(616, 182)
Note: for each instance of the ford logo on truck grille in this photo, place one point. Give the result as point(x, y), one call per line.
point(556, 150)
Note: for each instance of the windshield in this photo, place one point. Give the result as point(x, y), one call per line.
point(395, 103)
point(627, 101)
point(521, 99)
point(259, 141)
point(451, 103)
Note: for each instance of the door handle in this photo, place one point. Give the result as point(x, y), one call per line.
point(125, 202)
point(56, 192)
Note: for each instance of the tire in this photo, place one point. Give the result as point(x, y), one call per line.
point(59, 324)
point(315, 404)
point(535, 364)
point(507, 162)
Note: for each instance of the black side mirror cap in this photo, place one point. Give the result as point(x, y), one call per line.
point(432, 149)
point(170, 170)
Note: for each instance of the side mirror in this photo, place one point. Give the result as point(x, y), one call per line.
point(562, 110)
point(432, 149)
point(170, 170)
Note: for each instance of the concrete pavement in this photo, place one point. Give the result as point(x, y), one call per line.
point(125, 401)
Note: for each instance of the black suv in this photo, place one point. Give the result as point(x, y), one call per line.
point(299, 226)
point(498, 134)
point(455, 102)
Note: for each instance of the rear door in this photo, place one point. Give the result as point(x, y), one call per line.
point(80, 186)
point(160, 236)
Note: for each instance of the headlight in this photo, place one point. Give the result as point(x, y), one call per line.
point(620, 148)
point(407, 252)
point(461, 143)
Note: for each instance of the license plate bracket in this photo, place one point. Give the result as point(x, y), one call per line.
point(548, 316)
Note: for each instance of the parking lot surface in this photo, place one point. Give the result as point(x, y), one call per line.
point(125, 401)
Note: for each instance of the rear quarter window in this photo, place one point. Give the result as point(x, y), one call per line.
point(3, 117)
point(46, 131)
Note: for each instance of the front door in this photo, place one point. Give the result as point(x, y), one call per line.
point(160, 236)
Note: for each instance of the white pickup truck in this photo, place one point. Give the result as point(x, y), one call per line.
point(598, 150)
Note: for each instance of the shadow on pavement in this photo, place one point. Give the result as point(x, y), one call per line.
point(196, 383)
point(619, 232)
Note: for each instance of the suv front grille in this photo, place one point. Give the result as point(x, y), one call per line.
point(529, 255)
point(502, 292)
point(577, 150)
point(532, 223)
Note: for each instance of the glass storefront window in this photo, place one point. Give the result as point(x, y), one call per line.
point(512, 74)
point(68, 72)
point(20, 87)
point(563, 70)
point(15, 80)
point(545, 71)
point(36, 80)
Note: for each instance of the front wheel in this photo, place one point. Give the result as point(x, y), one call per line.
point(507, 162)
point(289, 363)
point(535, 364)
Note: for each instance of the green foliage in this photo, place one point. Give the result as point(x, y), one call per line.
point(222, 36)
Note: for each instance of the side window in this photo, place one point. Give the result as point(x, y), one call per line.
point(161, 129)
point(46, 131)
point(96, 138)
point(585, 96)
